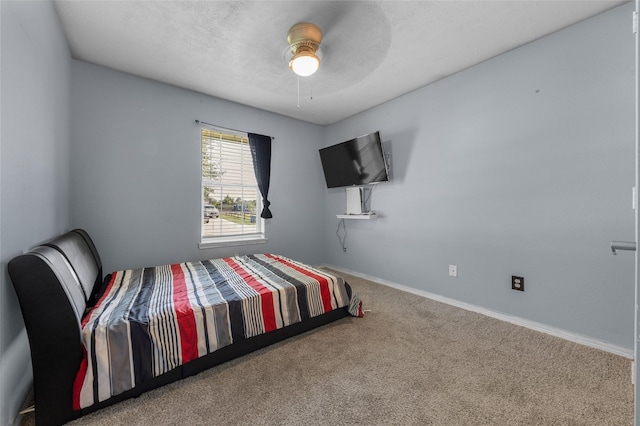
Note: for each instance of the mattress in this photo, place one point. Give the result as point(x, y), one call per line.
point(150, 321)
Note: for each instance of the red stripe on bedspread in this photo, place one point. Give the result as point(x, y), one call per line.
point(184, 314)
point(79, 380)
point(84, 363)
point(325, 294)
point(266, 295)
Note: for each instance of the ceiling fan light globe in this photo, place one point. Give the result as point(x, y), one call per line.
point(304, 64)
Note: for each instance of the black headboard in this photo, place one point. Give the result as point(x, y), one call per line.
point(55, 282)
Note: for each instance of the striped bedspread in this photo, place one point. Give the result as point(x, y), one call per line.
point(152, 320)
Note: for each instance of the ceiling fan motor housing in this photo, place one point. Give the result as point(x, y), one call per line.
point(304, 35)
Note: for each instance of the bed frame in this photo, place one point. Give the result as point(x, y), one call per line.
point(56, 282)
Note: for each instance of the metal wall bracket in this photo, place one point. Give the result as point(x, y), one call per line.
point(622, 245)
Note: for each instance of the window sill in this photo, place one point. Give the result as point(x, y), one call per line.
point(231, 241)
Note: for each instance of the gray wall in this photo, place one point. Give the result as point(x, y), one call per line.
point(34, 172)
point(136, 171)
point(521, 165)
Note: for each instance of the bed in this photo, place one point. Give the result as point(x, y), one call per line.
point(98, 340)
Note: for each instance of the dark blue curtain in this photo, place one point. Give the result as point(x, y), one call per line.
point(261, 153)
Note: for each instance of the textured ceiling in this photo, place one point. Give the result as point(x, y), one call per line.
point(373, 51)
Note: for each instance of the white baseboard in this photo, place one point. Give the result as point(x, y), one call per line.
point(553, 331)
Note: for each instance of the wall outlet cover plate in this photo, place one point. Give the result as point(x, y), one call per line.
point(517, 283)
point(453, 270)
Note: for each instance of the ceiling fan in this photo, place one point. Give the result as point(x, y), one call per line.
point(304, 42)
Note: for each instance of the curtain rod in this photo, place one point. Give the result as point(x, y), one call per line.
point(223, 128)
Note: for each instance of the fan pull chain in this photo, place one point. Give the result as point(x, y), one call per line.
point(298, 92)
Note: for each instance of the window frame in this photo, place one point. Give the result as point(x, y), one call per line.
point(258, 237)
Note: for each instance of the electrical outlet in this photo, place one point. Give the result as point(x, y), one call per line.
point(453, 270)
point(517, 283)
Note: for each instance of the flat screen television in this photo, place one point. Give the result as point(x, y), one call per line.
point(358, 161)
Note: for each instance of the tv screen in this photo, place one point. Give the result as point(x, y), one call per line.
point(358, 161)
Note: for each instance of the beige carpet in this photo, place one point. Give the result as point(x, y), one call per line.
point(411, 361)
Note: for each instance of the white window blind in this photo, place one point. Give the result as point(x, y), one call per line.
point(231, 201)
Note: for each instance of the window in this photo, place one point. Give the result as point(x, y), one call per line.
point(231, 201)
